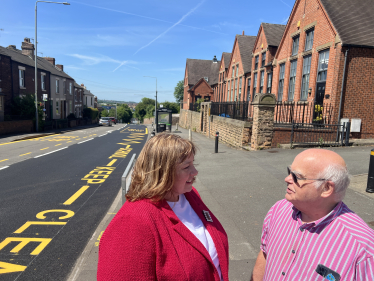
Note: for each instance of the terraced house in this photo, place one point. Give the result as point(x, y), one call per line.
point(326, 59)
point(222, 76)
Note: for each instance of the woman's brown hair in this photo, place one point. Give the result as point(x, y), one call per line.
point(154, 172)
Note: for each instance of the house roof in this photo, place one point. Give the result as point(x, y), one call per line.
point(273, 33)
point(198, 69)
point(16, 55)
point(227, 58)
point(76, 85)
point(246, 44)
point(353, 20)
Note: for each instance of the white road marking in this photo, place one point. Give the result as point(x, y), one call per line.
point(102, 135)
point(4, 167)
point(84, 141)
point(50, 152)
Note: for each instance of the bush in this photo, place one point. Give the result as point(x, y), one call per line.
point(71, 116)
point(90, 113)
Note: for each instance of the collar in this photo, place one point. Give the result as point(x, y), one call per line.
point(322, 222)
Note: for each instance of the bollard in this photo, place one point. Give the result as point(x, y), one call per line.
point(177, 127)
point(189, 135)
point(153, 134)
point(216, 146)
point(370, 185)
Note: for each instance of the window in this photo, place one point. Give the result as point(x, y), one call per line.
point(232, 90)
point(309, 39)
point(249, 89)
point(70, 88)
point(228, 90)
point(282, 67)
point(270, 77)
point(291, 87)
point(256, 62)
point(70, 106)
point(237, 70)
point(236, 87)
point(80, 95)
point(295, 45)
point(323, 65)
point(57, 86)
point(57, 107)
point(240, 88)
point(75, 94)
point(233, 71)
point(43, 81)
point(305, 80)
point(263, 59)
point(262, 74)
point(21, 78)
point(254, 83)
point(1, 103)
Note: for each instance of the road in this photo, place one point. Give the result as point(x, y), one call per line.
point(54, 191)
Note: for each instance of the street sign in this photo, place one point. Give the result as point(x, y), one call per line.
point(45, 97)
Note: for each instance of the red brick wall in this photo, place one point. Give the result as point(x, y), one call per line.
point(323, 33)
point(11, 127)
point(185, 91)
point(235, 61)
point(5, 82)
point(202, 89)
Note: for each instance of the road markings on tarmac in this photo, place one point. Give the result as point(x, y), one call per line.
point(76, 195)
point(4, 160)
point(112, 162)
point(44, 148)
point(85, 141)
point(2, 168)
point(58, 144)
point(50, 152)
point(25, 154)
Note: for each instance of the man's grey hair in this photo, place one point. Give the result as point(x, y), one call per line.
point(339, 175)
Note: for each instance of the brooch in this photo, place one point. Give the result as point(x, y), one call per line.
point(207, 216)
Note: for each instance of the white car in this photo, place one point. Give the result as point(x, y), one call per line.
point(105, 121)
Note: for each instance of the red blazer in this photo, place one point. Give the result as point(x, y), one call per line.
point(147, 241)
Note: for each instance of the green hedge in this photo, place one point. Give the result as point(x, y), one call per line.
point(91, 113)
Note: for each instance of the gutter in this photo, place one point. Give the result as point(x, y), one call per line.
point(342, 88)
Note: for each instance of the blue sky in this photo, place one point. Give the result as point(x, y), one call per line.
point(110, 45)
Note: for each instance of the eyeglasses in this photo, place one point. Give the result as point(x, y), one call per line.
point(295, 178)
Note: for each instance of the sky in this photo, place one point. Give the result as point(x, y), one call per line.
point(109, 46)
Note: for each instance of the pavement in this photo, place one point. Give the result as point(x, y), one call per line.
point(239, 187)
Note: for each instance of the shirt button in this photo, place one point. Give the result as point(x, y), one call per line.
point(301, 229)
point(293, 251)
point(283, 273)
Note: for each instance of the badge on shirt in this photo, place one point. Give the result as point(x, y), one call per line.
point(207, 216)
point(328, 273)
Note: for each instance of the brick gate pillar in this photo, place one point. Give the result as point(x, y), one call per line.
point(263, 121)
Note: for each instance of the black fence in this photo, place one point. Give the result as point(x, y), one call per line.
point(195, 107)
point(320, 134)
point(17, 117)
point(235, 110)
point(286, 113)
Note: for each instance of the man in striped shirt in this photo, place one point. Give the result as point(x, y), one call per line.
point(312, 234)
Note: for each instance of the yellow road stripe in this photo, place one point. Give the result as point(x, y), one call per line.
point(4, 160)
point(372, 153)
point(112, 162)
point(146, 131)
point(76, 195)
point(68, 141)
point(44, 148)
point(25, 154)
point(58, 144)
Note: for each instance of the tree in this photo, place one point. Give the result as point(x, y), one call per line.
point(145, 109)
point(174, 106)
point(111, 113)
point(179, 92)
point(124, 112)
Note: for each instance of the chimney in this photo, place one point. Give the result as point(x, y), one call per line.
point(51, 60)
point(60, 66)
point(12, 47)
point(27, 47)
point(214, 59)
point(243, 32)
point(82, 85)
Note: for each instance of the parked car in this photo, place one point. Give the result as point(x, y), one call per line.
point(105, 121)
point(113, 120)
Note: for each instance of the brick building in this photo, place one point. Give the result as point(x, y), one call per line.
point(239, 68)
point(321, 39)
point(18, 73)
point(223, 69)
point(266, 44)
point(200, 80)
point(78, 100)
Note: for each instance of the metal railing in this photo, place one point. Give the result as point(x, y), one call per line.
point(320, 134)
point(241, 110)
point(195, 107)
point(126, 177)
point(288, 112)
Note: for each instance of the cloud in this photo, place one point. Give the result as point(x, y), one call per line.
point(286, 4)
point(73, 67)
point(166, 31)
point(172, 69)
point(88, 60)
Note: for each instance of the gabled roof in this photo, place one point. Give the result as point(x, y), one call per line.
point(273, 33)
point(198, 69)
point(51, 68)
point(353, 20)
point(76, 85)
point(202, 80)
point(246, 44)
point(227, 58)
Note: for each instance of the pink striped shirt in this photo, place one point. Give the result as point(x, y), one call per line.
point(341, 241)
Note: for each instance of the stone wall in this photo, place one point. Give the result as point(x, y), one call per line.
point(148, 121)
point(12, 127)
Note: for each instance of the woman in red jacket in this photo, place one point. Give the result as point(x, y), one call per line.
point(164, 231)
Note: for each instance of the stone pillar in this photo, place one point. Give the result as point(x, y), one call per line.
point(263, 121)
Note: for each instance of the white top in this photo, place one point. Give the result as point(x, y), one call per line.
point(191, 220)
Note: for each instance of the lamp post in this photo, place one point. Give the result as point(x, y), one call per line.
point(156, 117)
point(36, 53)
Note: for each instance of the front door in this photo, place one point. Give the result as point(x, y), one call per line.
point(320, 93)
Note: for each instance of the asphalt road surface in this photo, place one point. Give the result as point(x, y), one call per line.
point(54, 191)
